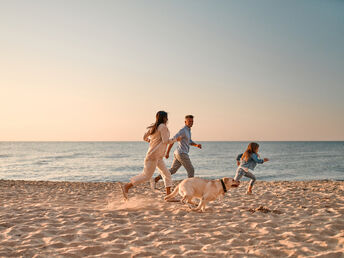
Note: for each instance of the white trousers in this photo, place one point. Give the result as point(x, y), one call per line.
point(148, 171)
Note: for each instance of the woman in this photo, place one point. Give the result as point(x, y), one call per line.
point(158, 137)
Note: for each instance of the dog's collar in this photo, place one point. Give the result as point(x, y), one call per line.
point(223, 186)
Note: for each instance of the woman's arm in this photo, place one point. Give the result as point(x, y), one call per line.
point(146, 135)
point(167, 155)
point(181, 133)
point(165, 134)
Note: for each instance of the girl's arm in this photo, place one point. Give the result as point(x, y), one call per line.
point(254, 156)
point(238, 159)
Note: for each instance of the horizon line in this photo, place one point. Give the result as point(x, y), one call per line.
point(196, 140)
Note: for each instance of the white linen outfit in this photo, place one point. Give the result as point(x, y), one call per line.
point(154, 157)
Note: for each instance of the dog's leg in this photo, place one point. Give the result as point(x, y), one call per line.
point(199, 205)
point(189, 200)
point(183, 200)
point(203, 205)
point(206, 198)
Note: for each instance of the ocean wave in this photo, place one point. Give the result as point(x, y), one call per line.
point(66, 156)
point(116, 156)
point(41, 162)
point(127, 168)
point(5, 156)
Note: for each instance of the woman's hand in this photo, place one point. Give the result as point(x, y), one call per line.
point(266, 159)
point(179, 138)
point(167, 155)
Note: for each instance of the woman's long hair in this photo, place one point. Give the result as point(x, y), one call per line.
point(251, 148)
point(160, 118)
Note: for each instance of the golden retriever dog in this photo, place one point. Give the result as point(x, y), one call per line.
point(203, 189)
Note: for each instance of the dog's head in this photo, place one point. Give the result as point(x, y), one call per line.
point(230, 182)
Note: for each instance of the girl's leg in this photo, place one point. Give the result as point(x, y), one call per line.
point(166, 176)
point(239, 173)
point(249, 189)
point(253, 179)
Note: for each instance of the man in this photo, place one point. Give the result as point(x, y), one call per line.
point(181, 154)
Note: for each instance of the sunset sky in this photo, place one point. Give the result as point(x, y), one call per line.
point(100, 70)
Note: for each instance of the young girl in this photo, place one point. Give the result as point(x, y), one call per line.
point(158, 137)
point(248, 161)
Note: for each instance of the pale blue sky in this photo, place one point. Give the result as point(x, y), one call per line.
point(99, 70)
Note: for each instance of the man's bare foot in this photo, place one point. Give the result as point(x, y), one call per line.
point(168, 190)
point(157, 179)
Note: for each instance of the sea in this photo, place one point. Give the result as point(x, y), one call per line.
point(119, 161)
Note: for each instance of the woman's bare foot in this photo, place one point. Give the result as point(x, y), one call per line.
point(124, 191)
point(125, 188)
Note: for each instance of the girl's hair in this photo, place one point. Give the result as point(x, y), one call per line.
point(251, 148)
point(160, 118)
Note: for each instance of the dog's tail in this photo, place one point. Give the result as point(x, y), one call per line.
point(174, 193)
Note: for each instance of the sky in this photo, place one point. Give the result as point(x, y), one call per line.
point(100, 70)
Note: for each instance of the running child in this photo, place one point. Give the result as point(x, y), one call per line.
point(248, 161)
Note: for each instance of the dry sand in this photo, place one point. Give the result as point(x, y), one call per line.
point(281, 219)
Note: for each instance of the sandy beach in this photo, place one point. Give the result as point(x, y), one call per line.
point(73, 219)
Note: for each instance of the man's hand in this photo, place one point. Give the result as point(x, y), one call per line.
point(238, 163)
point(199, 146)
point(179, 138)
point(266, 159)
point(167, 155)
